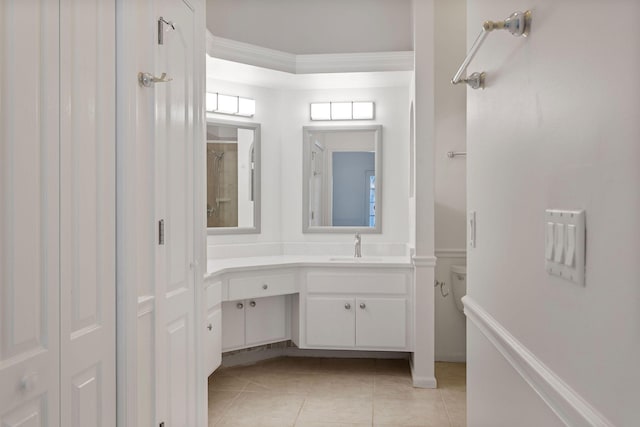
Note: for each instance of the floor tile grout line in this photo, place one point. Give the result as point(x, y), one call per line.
point(226, 408)
point(304, 402)
point(446, 408)
point(373, 401)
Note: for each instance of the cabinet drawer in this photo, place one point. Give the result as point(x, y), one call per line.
point(261, 286)
point(357, 282)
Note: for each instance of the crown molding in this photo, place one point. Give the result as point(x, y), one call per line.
point(354, 62)
point(246, 53)
point(250, 54)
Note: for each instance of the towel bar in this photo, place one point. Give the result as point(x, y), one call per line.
point(518, 24)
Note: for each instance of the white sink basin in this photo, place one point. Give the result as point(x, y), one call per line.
point(354, 259)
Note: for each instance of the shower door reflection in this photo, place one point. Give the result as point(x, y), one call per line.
point(222, 184)
point(232, 177)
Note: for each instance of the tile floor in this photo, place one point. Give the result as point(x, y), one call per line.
point(312, 392)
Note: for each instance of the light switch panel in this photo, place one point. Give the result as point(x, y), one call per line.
point(565, 250)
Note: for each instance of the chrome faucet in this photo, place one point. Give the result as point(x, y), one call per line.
point(357, 250)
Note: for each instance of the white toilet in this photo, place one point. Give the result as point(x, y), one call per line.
point(459, 284)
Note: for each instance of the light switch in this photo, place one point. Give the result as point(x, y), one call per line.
point(549, 242)
point(571, 246)
point(472, 228)
point(559, 243)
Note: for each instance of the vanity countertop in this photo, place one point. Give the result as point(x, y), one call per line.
point(219, 266)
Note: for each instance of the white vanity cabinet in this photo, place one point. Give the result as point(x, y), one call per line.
point(359, 309)
point(318, 305)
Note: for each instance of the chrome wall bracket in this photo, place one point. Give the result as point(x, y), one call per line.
point(148, 79)
point(518, 24)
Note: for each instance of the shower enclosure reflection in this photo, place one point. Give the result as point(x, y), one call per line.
point(233, 190)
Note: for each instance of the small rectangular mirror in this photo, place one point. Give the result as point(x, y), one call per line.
point(233, 177)
point(342, 179)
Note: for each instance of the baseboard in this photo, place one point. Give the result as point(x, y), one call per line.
point(346, 354)
point(253, 355)
point(422, 382)
point(565, 402)
point(452, 358)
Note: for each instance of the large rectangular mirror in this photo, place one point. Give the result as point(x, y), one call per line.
point(233, 177)
point(342, 179)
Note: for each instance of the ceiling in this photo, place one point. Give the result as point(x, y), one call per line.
point(236, 72)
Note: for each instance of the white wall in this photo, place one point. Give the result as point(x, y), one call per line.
point(306, 26)
point(557, 127)
point(450, 180)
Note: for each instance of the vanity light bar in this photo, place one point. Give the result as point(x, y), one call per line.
point(230, 104)
point(349, 110)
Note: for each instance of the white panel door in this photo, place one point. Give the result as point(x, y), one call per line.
point(87, 213)
point(175, 276)
point(381, 323)
point(330, 322)
point(266, 320)
point(29, 214)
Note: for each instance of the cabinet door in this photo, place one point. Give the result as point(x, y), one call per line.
point(265, 320)
point(213, 340)
point(330, 322)
point(381, 323)
point(232, 325)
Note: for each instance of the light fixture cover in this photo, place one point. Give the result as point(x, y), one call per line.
point(363, 110)
point(320, 111)
point(246, 107)
point(227, 104)
point(341, 111)
point(211, 101)
point(357, 110)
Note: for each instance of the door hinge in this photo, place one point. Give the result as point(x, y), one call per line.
point(161, 23)
point(161, 424)
point(312, 215)
point(161, 232)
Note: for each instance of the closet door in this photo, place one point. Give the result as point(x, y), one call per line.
point(29, 219)
point(175, 192)
point(87, 208)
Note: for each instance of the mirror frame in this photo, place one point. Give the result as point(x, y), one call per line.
point(257, 205)
point(306, 175)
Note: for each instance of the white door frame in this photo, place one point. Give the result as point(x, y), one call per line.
point(135, 31)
